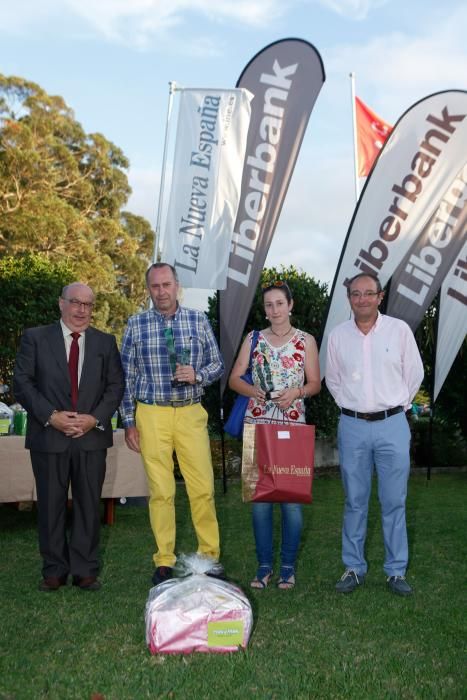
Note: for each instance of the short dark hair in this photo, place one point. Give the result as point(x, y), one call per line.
point(279, 285)
point(158, 266)
point(365, 274)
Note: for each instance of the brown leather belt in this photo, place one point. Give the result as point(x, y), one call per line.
point(379, 415)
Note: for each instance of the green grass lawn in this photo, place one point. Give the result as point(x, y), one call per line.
point(307, 643)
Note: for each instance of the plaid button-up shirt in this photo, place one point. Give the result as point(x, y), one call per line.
point(146, 359)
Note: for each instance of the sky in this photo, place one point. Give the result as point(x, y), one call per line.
point(112, 60)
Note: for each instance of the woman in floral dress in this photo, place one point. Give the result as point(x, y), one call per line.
point(285, 370)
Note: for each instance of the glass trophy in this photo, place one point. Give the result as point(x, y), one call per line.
point(265, 380)
point(176, 357)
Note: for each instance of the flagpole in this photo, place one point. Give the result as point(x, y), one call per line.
point(221, 398)
point(354, 129)
point(432, 384)
point(157, 234)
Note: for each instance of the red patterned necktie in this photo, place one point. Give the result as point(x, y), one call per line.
point(73, 369)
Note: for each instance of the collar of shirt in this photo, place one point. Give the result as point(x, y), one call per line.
point(374, 328)
point(165, 318)
point(81, 343)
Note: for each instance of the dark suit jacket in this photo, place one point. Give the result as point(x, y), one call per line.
point(42, 385)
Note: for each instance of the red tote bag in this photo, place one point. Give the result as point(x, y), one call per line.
point(285, 458)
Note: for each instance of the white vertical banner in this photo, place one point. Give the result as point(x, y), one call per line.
point(206, 182)
point(452, 324)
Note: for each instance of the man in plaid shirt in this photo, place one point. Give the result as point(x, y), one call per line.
point(169, 354)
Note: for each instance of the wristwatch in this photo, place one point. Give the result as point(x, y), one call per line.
point(198, 378)
point(46, 425)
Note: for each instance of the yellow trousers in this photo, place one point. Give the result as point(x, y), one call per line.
point(163, 429)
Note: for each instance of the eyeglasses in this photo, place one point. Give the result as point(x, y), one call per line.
point(366, 295)
point(77, 304)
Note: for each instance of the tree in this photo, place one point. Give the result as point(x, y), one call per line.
point(452, 399)
point(29, 289)
point(310, 303)
point(61, 194)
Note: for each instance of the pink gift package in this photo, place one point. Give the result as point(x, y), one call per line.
point(197, 613)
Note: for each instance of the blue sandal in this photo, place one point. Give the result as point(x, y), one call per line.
point(286, 578)
point(262, 578)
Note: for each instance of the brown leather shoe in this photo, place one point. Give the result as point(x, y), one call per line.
point(86, 583)
point(52, 583)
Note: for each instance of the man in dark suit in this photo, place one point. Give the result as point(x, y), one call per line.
point(68, 376)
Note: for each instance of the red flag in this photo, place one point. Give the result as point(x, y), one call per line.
point(372, 132)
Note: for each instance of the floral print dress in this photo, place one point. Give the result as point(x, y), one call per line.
point(277, 368)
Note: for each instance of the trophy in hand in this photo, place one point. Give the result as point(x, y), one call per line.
point(180, 357)
point(266, 383)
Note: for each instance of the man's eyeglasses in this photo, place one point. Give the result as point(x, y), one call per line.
point(366, 295)
point(77, 304)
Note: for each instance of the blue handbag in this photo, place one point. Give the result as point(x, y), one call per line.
point(234, 423)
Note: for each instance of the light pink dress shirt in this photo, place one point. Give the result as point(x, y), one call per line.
point(373, 372)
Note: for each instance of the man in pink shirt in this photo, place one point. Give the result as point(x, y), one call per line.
point(373, 371)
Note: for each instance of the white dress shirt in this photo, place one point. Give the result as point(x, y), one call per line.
point(376, 371)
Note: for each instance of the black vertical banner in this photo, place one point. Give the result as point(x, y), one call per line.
point(285, 79)
point(426, 264)
point(411, 192)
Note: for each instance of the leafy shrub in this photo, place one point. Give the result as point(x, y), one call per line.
point(447, 447)
point(30, 286)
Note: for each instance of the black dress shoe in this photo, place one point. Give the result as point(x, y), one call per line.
point(161, 574)
point(52, 583)
point(87, 583)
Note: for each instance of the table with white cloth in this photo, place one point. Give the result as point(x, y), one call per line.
point(125, 476)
